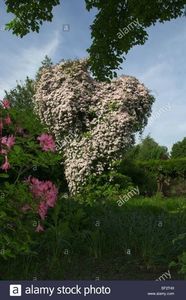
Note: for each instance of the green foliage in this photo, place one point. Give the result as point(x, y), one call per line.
point(29, 15)
point(140, 176)
point(107, 49)
point(179, 149)
point(148, 149)
point(99, 235)
point(21, 97)
point(17, 229)
point(104, 188)
point(172, 167)
point(27, 155)
point(26, 158)
point(182, 264)
point(46, 63)
point(180, 244)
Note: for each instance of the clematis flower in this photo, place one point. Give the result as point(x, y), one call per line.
point(7, 120)
point(6, 103)
point(8, 141)
point(6, 164)
point(46, 142)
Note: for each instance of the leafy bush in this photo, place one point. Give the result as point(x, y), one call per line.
point(104, 188)
point(25, 153)
point(141, 177)
point(172, 167)
point(180, 244)
point(17, 228)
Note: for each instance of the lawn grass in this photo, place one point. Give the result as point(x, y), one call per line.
point(106, 242)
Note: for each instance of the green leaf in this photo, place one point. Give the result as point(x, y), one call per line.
point(4, 175)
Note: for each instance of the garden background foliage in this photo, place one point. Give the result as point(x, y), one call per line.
point(48, 232)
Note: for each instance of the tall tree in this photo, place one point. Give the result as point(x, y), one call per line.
point(46, 63)
point(21, 97)
point(179, 149)
point(149, 149)
point(118, 26)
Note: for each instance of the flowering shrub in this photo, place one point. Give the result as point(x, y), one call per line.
point(46, 142)
point(46, 192)
point(92, 122)
point(25, 154)
point(17, 228)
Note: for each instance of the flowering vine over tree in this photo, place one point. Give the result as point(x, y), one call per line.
point(93, 122)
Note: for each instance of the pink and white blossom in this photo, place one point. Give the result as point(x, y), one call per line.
point(93, 122)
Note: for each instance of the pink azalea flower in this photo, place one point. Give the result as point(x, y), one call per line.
point(46, 142)
point(51, 196)
point(42, 210)
point(7, 120)
point(46, 192)
point(6, 164)
point(39, 228)
point(6, 103)
point(8, 141)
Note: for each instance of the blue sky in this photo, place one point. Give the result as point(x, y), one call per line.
point(159, 64)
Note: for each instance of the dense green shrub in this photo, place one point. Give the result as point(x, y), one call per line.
point(17, 228)
point(169, 173)
point(23, 155)
point(104, 188)
point(140, 176)
point(172, 167)
point(180, 245)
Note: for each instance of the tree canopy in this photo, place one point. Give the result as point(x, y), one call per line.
point(118, 26)
point(21, 97)
point(179, 149)
point(148, 149)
